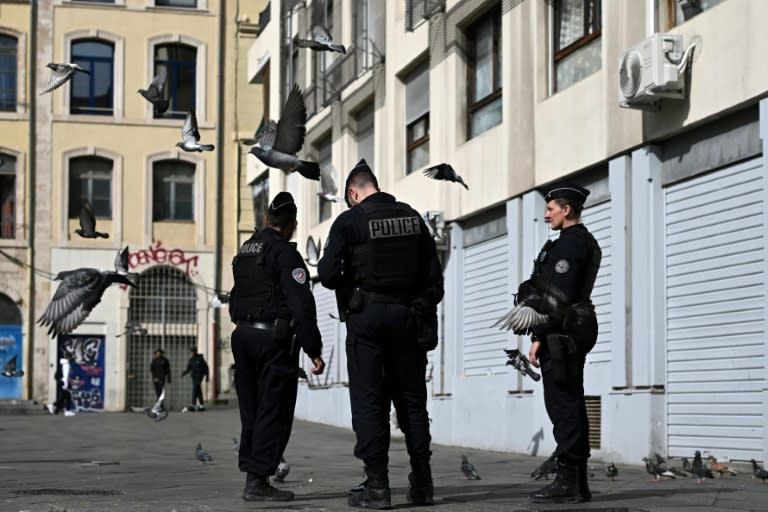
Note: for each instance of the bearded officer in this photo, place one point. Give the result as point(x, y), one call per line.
point(555, 306)
point(383, 264)
point(274, 310)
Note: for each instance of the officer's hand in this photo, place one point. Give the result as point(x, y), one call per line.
point(319, 365)
point(533, 353)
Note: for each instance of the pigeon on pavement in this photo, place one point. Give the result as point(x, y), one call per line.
point(757, 471)
point(88, 222)
point(656, 471)
point(661, 464)
point(278, 142)
point(9, 370)
point(201, 454)
point(720, 468)
point(313, 251)
point(321, 41)
point(154, 93)
point(158, 412)
point(548, 467)
point(62, 73)
point(191, 137)
point(470, 473)
point(282, 470)
point(444, 172)
point(698, 469)
point(328, 187)
point(611, 471)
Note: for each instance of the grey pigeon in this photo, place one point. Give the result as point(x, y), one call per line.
point(547, 468)
point(158, 411)
point(9, 370)
point(191, 137)
point(201, 454)
point(88, 222)
point(657, 472)
point(154, 93)
point(133, 328)
point(698, 469)
point(321, 41)
point(279, 142)
point(61, 73)
point(757, 471)
point(444, 172)
point(521, 318)
point(282, 470)
point(313, 251)
point(122, 268)
point(470, 473)
point(328, 187)
point(79, 292)
point(687, 466)
point(235, 445)
point(611, 471)
point(661, 464)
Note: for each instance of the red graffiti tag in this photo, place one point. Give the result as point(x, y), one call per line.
point(157, 254)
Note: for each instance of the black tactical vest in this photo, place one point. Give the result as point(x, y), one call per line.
point(255, 293)
point(591, 268)
point(388, 261)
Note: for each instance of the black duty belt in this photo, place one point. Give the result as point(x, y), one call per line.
point(264, 326)
point(385, 298)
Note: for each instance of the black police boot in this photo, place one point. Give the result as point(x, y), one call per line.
point(564, 489)
point(584, 491)
point(257, 488)
point(420, 488)
point(375, 493)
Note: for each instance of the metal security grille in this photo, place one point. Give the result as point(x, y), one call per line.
point(594, 413)
point(164, 303)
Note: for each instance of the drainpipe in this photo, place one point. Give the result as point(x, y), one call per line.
point(30, 198)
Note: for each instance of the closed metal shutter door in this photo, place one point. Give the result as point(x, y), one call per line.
point(597, 219)
point(715, 313)
point(325, 302)
point(486, 298)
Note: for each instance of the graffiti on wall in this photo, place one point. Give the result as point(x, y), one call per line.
point(159, 255)
point(86, 374)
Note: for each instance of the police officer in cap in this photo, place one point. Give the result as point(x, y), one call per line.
point(274, 310)
point(560, 287)
point(383, 264)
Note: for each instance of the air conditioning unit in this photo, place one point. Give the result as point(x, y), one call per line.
point(651, 70)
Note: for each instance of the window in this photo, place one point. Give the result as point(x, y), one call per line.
point(90, 177)
point(681, 11)
point(8, 70)
point(484, 68)
point(417, 118)
point(260, 188)
point(173, 191)
point(577, 45)
point(93, 94)
point(323, 149)
point(365, 133)
point(366, 38)
point(180, 63)
point(176, 3)
point(7, 196)
point(322, 61)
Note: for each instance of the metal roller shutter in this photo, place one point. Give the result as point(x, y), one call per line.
point(598, 220)
point(325, 302)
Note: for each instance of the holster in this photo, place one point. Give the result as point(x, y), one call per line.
point(282, 329)
point(563, 353)
point(343, 296)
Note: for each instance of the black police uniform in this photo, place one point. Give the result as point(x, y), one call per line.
point(382, 250)
point(270, 302)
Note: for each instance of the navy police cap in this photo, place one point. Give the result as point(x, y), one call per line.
point(567, 191)
point(282, 205)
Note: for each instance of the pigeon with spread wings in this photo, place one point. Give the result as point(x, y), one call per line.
point(313, 251)
point(88, 222)
point(9, 370)
point(321, 41)
point(444, 172)
point(191, 137)
point(61, 74)
point(328, 187)
point(154, 93)
point(278, 142)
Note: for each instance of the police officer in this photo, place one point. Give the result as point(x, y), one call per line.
point(565, 272)
point(383, 264)
point(274, 310)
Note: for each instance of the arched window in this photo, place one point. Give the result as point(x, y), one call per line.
point(8, 72)
point(180, 63)
point(93, 93)
point(163, 295)
point(90, 177)
point(7, 196)
point(10, 314)
point(173, 190)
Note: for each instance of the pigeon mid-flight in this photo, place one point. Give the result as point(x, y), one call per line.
point(88, 222)
point(611, 471)
point(235, 445)
point(9, 370)
point(62, 73)
point(328, 187)
point(158, 411)
point(154, 93)
point(321, 41)
point(757, 471)
point(201, 454)
point(282, 470)
point(191, 137)
point(444, 172)
point(470, 473)
point(313, 251)
point(548, 467)
point(278, 142)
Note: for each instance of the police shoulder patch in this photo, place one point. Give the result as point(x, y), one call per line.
point(299, 275)
point(562, 266)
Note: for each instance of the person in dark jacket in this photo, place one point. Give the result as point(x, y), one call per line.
point(198, 369)
point(274, 310)
point(161, 371)
point(383, 264)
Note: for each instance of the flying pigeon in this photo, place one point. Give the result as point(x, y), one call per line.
point(133, 328)
point(548, 467)
point(9, 370)
point(698, 468)
point(521, 318)
point(313, 251)
point(62, 73)
point(79, 292)
point(235, 445)
point(444, 172)
point(611, 471)
point(328, 187)
point(191, 137)
point(88, 222)
point(720, 468)
point(154, 93)
point(470, 473)
point(321, 41)
point(282, 470)
point(278, 142)
point(201, 454)
point(158, 412)
point(757, 471)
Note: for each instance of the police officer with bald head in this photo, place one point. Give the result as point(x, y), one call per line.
point(382, 262)
point(274, 310)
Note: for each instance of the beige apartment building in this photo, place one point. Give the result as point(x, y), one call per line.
point(96, 138)
point(516, 94)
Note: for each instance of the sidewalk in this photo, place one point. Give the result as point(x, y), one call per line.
point(126, 462)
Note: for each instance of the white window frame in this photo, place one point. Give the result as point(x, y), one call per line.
point(21, 74)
